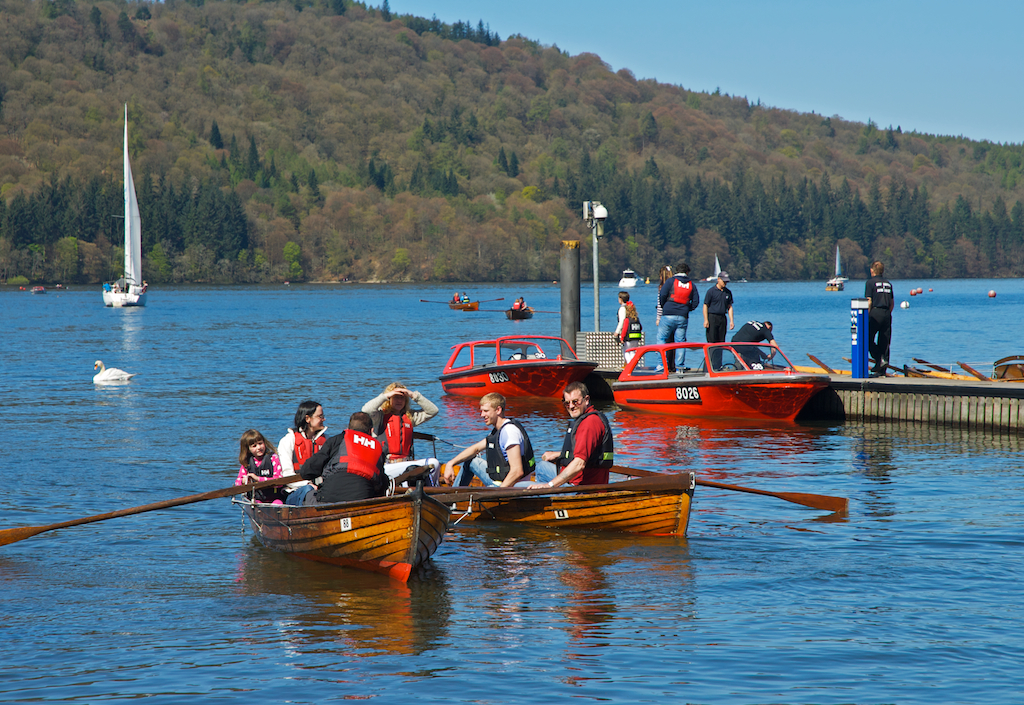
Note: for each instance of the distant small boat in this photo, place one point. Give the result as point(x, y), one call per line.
point(629, 279)
point(718, 270)
point(836, 283)
point(39, 290)
point(465, 306)
point(519, 314)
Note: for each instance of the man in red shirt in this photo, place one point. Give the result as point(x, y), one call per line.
point(587, 449)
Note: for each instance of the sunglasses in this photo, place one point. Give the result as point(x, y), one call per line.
point(572, 403)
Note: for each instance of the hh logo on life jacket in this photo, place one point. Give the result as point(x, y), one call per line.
point(364, 441)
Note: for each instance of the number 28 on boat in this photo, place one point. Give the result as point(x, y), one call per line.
point(731, 380)
point(515, 366)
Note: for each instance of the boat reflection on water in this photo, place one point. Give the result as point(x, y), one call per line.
point(361, 613)
point(716, 449)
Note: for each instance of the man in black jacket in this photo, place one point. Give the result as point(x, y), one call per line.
point(879, 291)
point(351, 465)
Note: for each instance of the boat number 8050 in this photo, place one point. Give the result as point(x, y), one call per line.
point(498, 377)
point(687, 394)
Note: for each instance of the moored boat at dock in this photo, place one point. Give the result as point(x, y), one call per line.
point(732, 380)
point(515, 366)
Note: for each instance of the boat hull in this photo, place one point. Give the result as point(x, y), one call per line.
point(391, 535)
point(664, 511)
point(469, 306)
point(519, 314)
point(123, 300)
point(767, 398)
point(534, 378)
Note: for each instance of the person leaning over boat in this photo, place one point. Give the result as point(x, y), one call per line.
point(587, 448)
point(879, 291)
point(301, 442)
point(677, 296)
point(754, 332)
point(508, 454)
point(351, 466)
point(394, 419)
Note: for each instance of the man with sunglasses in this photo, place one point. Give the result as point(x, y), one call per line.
point(587, 449)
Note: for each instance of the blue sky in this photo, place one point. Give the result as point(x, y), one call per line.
point(941, 66)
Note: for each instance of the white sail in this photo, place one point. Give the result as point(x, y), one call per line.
point(839, 269)
point(132, 224)
point(718, 267)
point(131, 289)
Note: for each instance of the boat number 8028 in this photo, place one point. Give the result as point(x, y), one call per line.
point(687, 394)
point(498, 377)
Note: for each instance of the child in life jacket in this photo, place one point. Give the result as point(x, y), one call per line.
point(259, 462)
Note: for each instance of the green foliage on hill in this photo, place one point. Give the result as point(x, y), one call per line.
point(325, 139)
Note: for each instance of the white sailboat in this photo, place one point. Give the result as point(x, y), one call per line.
point(718, 270)
point(836, 283)
point(129, 290)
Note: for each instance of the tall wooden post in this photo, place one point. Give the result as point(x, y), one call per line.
point(569, 277)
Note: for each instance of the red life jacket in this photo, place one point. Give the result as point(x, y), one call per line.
point(681, 291)
point(305, 448)
point(398, 429)
point(360, 456)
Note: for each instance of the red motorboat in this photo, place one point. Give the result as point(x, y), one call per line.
point(515, 366)
point(730, 380)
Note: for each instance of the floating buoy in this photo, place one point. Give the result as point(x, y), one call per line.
point(991, 293)
point(920, 290)
point(913, 292)
point(929, 289)
point(904, 304)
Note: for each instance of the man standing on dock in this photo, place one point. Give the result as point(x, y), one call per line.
point(677, 296)
point(879, 291)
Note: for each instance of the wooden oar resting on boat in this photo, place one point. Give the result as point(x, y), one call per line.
point(656, 506)
point(389, 535)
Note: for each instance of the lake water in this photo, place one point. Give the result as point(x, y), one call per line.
point(911, 598)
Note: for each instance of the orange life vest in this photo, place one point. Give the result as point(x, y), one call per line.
point(305, 448)
point(360, 456)
point(398, 429)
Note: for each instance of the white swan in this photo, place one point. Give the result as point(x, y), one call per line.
point(110, 375)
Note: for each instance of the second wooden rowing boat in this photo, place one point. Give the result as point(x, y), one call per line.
point(655, 507)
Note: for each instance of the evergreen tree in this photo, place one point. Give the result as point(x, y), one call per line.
point(513, 165)
point(252, 163)
point(385, 11)
point(338, 6)
point(314, 186)
point(502, 160)
point(215, 139)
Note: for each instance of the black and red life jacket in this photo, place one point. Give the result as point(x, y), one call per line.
point(359, 456)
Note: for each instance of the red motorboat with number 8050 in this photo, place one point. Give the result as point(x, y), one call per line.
point(515, 366)
point(716, 380)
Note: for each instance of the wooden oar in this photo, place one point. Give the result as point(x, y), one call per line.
point(424, 301)
point(817, 501)
point(887, 367)
point(660, 481)
point(937, 368)
point(487, 301)
point(974, 372)
point(17, 534)
point(821, 364)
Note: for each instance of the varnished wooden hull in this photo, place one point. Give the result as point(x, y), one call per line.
point(468, 306)
point(389, 535)
point(656, 512)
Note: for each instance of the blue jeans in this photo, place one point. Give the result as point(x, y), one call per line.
point(672, 329)
point(477, 466)
point(296, 498)
point(545, 471)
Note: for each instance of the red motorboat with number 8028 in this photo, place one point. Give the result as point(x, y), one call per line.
point(716, 380)
point(515, 366)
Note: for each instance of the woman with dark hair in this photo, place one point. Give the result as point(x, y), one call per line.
point(301, 441)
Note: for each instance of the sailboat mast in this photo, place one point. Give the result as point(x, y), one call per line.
point(132, 225)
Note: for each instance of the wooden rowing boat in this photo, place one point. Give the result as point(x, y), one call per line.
point(518, 314)
point(389, 535)
point(661, 508)
point(466, 306)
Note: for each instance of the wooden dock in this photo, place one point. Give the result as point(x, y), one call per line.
point(987, 406)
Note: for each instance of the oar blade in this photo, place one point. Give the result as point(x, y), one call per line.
point(823, 502)
point(19, 534)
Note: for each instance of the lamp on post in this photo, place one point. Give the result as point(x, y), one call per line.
point(594, 213)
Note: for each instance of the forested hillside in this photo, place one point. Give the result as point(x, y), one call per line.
point(325, 139)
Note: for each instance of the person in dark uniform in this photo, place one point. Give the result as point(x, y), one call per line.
point(717, 305)
point(879, 291)
point(754, 332)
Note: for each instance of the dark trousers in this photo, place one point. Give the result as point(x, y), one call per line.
point(879, 336)
point(716, 327)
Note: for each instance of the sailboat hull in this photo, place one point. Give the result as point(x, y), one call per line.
point(123, 300)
